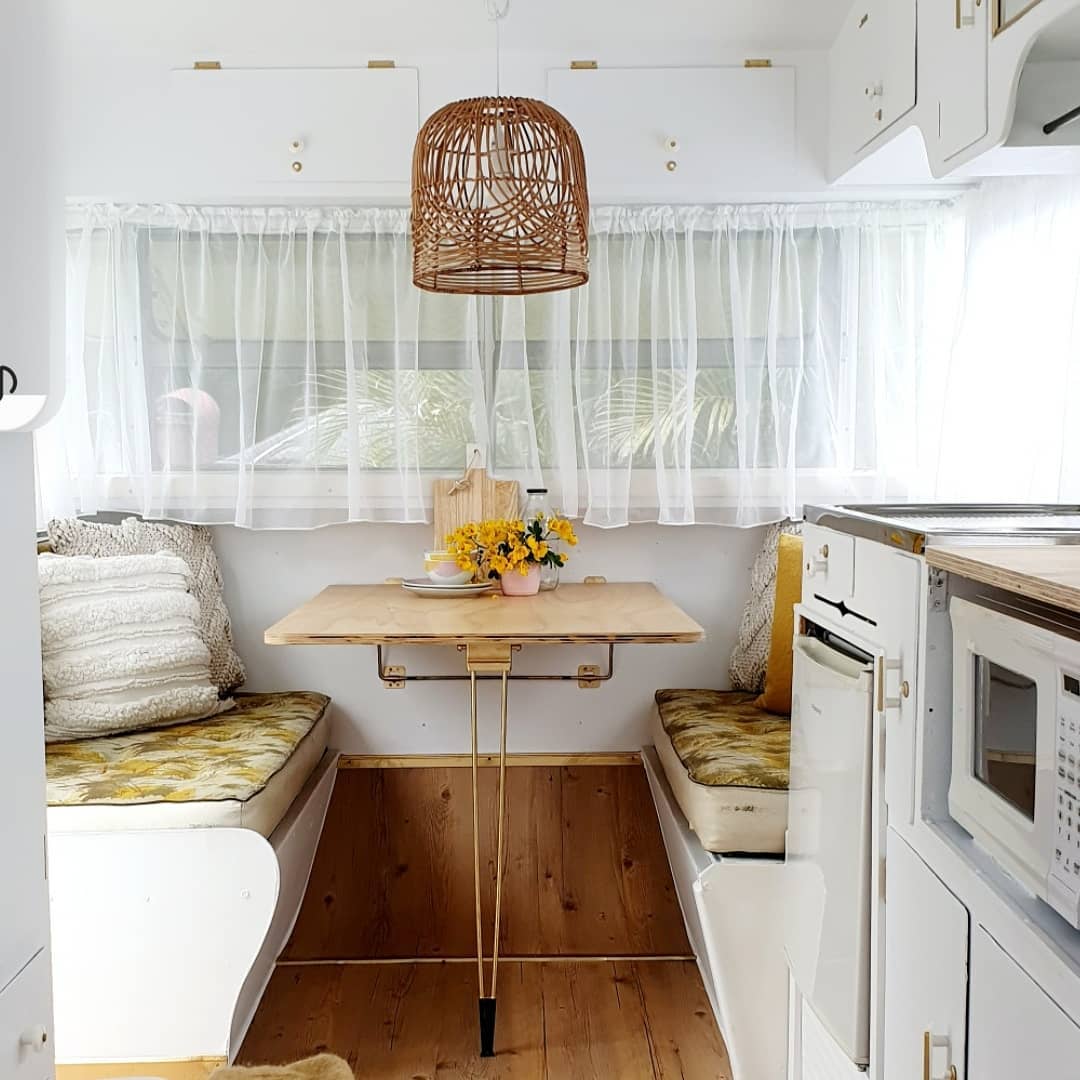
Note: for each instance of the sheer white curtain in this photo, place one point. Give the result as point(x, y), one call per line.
point(276, 367)
point(999, 418)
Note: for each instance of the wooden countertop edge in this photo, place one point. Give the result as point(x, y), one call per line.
point(688, 638)
point(1026, 584)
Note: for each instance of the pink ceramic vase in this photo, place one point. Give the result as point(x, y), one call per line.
point(515, 584)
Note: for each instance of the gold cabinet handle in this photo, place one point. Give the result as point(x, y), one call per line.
point(929, 1042)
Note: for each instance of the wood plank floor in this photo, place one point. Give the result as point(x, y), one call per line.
point(557, 1021)
point(586, 873)
point(377, 968)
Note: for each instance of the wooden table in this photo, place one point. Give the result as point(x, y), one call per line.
point(488, 630)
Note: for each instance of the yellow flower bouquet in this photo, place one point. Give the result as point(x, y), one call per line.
point(511, 550)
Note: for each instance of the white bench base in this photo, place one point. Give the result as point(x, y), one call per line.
point(164, 940)
point(733, 909)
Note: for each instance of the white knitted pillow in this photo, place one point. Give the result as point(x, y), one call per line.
point(192, 544)
point(751, 653)
point(120, 647)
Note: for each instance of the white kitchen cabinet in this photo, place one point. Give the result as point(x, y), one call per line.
point(954, 41)
point(1015, 1029)
point(26, 1023)
point(926, 971)
point(872, 72)
point(240, 130)
point(647, 131)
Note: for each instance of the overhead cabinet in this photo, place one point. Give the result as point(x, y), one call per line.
point(954, 41)
point(243, 129)
point(872, 72)
point(663, 132)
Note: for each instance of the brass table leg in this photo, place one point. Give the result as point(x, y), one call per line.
point(488, 659)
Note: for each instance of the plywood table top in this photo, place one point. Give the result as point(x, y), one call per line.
point(619, 613)
point(1046, 572)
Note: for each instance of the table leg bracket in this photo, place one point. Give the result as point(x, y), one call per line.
point(587, 676)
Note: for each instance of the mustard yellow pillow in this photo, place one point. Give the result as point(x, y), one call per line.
point(777, 695)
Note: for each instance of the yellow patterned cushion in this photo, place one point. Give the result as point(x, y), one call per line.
point(232, 756)
point(724, 739)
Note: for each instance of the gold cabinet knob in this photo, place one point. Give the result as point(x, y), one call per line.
point(297, 166)
point(671, 166)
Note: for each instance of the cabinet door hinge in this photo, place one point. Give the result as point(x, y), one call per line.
point(757, 62)
point(207, 65)
point(583, 65)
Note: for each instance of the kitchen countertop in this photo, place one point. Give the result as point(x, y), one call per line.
point(1046, 572)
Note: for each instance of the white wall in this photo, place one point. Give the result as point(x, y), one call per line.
point(705, 569)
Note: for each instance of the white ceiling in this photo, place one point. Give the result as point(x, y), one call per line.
point(420, 25)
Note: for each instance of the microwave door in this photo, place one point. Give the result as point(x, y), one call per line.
point(827, 895)
point(1006, 733)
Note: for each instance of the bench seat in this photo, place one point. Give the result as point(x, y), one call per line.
point(726, 760)
point(242, 769)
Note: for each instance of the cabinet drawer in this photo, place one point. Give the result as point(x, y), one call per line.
point(26, 1023)
point(828, 568)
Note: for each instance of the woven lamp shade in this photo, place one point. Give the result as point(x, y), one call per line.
point(499, 202)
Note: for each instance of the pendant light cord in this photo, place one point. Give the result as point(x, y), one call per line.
point(497, 10)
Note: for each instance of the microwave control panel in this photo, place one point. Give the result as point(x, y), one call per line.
point(1065, 867)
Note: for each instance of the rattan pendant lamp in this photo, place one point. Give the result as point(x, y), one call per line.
point(499, 202)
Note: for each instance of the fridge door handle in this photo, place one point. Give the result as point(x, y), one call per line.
point(882, 667)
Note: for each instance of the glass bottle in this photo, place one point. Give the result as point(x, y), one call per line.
point(536, 503)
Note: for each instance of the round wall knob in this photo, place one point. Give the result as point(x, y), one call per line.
point(36, 1038)
point(296, 146)
point(672, 145)
point(671, 166)
point(297, 166)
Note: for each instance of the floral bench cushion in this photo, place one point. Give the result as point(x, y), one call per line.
point(230, 757)
point(724, 740)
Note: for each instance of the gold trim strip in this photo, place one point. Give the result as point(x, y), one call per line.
point(464, 761)
point(1001, 25)
point(188, 1069)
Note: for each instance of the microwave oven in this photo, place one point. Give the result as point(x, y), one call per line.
point(1015, 782)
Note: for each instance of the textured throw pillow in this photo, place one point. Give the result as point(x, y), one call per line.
point(751, 653)
point(777, 695)
point(120, 647)
point(192, 544)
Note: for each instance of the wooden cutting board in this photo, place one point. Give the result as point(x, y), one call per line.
point(483, 497)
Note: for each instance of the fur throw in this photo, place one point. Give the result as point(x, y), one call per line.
point(322, 1067)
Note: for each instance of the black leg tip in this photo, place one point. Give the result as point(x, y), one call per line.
point(487, 1026)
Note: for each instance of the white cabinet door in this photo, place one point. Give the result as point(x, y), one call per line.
point(237, 129)
point(669, 131)
point(872, 72)
point(26, 1043)
point(954, 40)
point(926, 970)
point(1015, 1029)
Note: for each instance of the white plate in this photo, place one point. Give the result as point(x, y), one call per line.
point(429, 588)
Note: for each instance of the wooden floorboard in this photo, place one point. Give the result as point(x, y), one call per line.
point(586, 874)
point(556, 1021)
